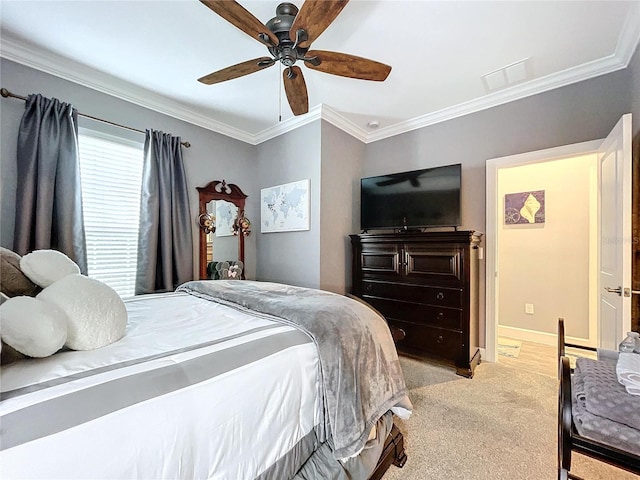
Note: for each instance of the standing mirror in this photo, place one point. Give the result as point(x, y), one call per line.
point(223, 226)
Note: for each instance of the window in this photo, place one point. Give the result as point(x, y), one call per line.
point(111, 178)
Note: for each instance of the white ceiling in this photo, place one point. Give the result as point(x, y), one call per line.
point(153, 52)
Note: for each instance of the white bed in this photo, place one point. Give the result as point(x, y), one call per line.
point(195, 389)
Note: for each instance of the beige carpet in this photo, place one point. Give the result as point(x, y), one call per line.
point(499, 425)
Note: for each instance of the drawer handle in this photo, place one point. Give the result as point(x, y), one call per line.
point(368, 288)
point(440, 296)
point(440, 315)
point(440, 339)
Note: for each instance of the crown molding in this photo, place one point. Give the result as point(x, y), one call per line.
point(286, 126)
point(550, 82)
point(338, 120)
point(69, 70)
point(318, 112)
point(627, 43)
point(629, 35)
point(89, 77)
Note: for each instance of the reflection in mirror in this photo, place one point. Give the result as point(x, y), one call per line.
point(211, 210)
point(221, 248)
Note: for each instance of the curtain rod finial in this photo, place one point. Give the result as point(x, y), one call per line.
point(4, 92)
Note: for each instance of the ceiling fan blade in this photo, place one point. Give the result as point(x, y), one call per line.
point(239, 70)
point(239, 16)
point(314, 17)
point(347, 65)
point(296, 90)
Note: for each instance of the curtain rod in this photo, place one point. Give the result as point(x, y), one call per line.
point(6, 94)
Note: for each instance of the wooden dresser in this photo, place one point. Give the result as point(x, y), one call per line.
point(426, 285)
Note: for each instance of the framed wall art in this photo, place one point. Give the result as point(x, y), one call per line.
point(285, 208)
point(524, 207)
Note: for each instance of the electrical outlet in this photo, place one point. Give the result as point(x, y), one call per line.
point(528, 308)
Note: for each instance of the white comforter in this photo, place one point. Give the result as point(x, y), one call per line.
point(227, 408)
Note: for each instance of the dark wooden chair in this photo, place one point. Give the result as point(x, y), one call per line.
point(562, 344)
point(569, 440)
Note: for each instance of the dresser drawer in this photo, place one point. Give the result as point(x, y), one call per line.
point(417, 312)
point(439, 296)
point(424, 339)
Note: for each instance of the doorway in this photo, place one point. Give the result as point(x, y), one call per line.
point(612, 291)
point(547, 251)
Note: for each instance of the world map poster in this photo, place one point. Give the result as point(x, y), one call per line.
point(285, 208)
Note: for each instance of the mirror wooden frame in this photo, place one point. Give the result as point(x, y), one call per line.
point(219, 190)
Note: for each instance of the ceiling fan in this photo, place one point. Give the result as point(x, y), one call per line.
point(288, 37)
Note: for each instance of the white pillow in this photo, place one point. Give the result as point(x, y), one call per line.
point(32, 327)
point(96, 315)
point(43, 267)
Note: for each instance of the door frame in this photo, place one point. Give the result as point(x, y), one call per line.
point(493, 221)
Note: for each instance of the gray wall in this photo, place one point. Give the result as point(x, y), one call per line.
point(584, 111)
point(290, 257)
point(576, 113)
point(334, 161)
point(211, 157)
point(342, 166)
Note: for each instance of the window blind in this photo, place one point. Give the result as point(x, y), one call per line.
point(111, 178)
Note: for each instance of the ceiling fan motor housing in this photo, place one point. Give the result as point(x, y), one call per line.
point(286, 51)
point(281, 23)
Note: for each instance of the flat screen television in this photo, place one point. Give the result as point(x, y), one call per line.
point(429, 197)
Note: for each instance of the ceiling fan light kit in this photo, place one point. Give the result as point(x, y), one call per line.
point(288, 37)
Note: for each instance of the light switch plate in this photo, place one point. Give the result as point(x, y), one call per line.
point(528, 308)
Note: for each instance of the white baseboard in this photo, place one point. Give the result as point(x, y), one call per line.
point(483, 355)
point(538, 337)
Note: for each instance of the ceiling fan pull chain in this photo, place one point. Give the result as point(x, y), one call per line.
point(280, 94)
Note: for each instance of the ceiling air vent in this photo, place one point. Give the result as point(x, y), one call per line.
point(516, 72)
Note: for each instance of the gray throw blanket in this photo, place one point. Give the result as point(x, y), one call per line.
point(603, 395)
point(602, 409)
point(360, 371)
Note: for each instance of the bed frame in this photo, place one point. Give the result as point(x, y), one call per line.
point(392, 453)
point(569, 440)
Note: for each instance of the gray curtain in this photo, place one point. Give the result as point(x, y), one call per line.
point(49, 196)
point(165, 247)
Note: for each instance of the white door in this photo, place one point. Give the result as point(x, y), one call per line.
point(614, 263)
